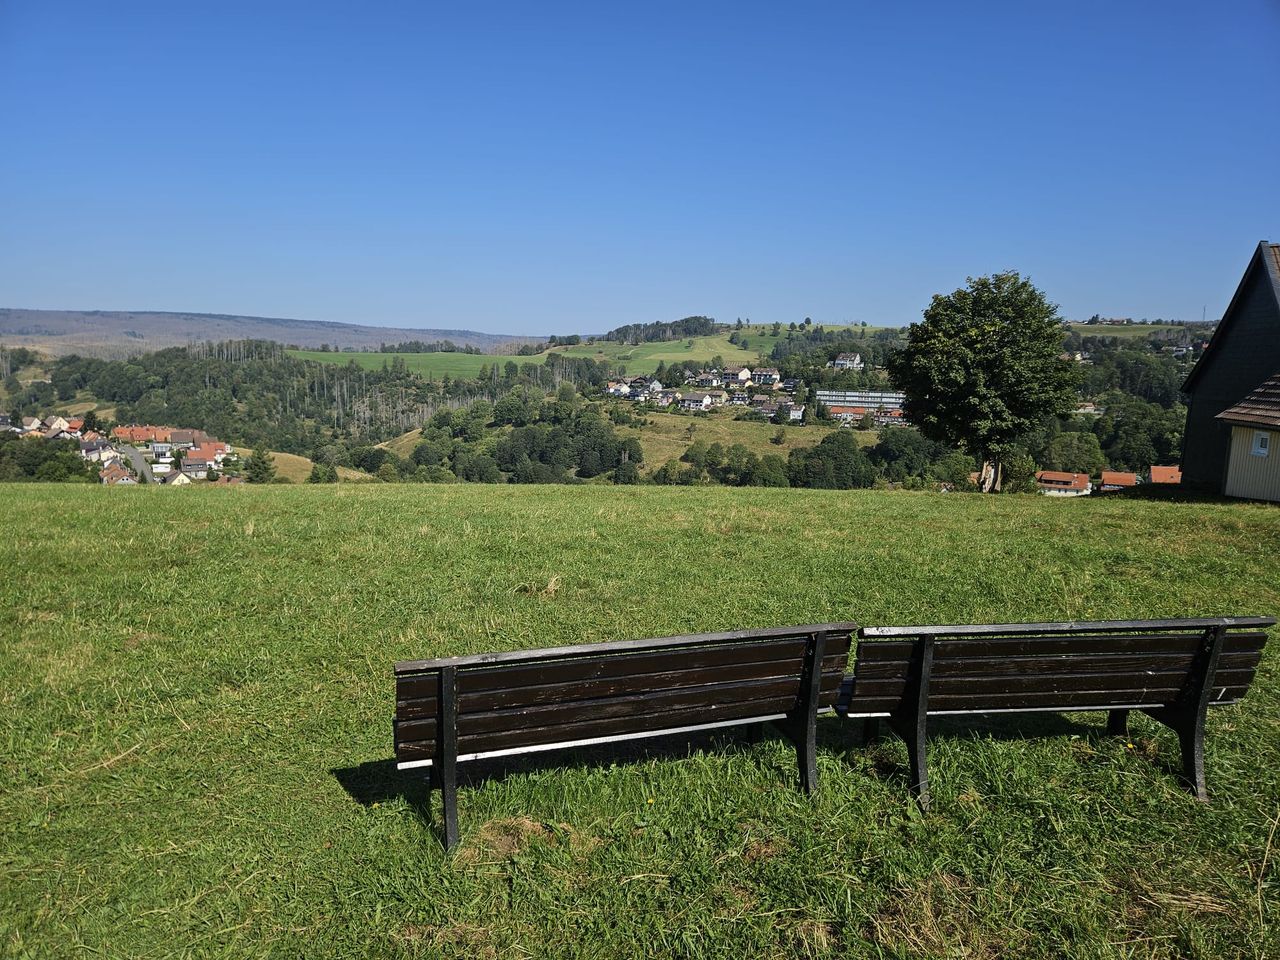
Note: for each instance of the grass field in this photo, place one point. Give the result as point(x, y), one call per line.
point(296, 469)
point(640, 359)
point(666, 436)
point(197, 697)
point(1133, 331)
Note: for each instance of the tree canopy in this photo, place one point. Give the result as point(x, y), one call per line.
point(985, 366)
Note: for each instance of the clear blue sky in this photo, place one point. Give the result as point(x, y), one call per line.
point(546, 167)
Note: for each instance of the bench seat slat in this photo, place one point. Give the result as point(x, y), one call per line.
point(505, 677)
point(428, 708)
point(1187, 643)
point(1169, 681)
point(1053, 665)
point(569, 710)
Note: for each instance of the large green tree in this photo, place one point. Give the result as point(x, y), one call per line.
point(983, 367)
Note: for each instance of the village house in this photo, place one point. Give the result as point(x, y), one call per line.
point(709, 378)
point(791, 412)
point(1253, 462)
point(1166, 475)
point(212, 451)
point(695, 402)
point(1241, 359)
point(176, 479)
point(113, 474)
point(848, 361)
point(616, 388)
point(766, 377)
point(197, 468)
point(789, 385)
point(56, 424)
point(1063, 484)
point(31, 424)
point(1054, 483)
point(742, 375)
point(739, 399)
point(135, 434)
point(1118, 480)
point(97, 451)
point(6, 422)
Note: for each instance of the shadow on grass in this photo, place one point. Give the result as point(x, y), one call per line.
point(378, 781)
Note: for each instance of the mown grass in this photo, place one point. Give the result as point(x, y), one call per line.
point(196, 700)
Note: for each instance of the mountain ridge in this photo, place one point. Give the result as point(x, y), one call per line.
point(118, 333)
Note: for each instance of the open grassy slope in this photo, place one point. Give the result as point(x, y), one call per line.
point(666, 436)
point(296, 469)
point(196, 697)
point(1133, 331)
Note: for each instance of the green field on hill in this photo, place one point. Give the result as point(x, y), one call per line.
point(637, 359)
point(197, 699)
point(1132, 331)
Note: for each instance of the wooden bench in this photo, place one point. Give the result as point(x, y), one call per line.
point(1171, 670)
point(494, 705)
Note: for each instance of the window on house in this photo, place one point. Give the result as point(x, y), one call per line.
point(1261, 443)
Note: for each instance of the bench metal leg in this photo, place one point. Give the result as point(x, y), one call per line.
point(870, 731)
point(801, 725)
point(913, 735)
point(447, 753)
point(910, 721)
point(1186, 717)
point(1117, 723)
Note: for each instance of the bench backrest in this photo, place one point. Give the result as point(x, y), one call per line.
point(498, 704)
point(1053, 666)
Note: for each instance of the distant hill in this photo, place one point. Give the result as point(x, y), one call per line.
point(114, 334)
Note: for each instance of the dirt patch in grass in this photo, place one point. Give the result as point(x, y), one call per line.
point(939, 918)
point(454, 939)
point(507, 838)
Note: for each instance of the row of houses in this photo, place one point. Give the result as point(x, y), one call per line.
point(49, 427)
point(760, 402)
point(1057, 483)
point(175, 455)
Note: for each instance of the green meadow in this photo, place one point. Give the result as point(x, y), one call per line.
point(197, 699)
point(638, 359)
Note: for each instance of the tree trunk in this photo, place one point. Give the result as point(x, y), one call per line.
point(991, 476)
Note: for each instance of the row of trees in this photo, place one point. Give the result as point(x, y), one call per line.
point(46, 461)
point(556, 439)
point(674, 330)
point(838, 462)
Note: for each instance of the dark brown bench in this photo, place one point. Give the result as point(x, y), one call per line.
point(1171, 670)
point(494, 705)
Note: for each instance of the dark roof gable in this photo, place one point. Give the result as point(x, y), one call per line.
point(1265, 258)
